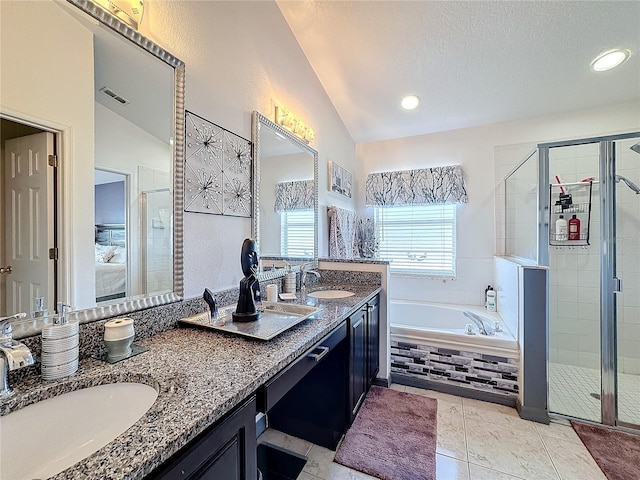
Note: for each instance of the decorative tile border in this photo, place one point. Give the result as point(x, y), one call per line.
point(465, 369)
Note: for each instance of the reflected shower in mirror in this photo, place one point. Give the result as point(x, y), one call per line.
point(285, 192)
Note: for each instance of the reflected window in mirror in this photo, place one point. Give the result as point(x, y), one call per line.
point(296, 229)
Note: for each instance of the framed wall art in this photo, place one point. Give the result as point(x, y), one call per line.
point(218, 169)
point(340, 179)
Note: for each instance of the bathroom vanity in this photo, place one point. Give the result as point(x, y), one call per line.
point(315, 397)
point(211, 386)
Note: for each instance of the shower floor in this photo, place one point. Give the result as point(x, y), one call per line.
point(570, 390)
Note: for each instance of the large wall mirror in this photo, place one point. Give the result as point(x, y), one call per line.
point(285, 210)
point(112, 210)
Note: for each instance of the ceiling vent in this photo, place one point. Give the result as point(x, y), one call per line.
point(114, 95)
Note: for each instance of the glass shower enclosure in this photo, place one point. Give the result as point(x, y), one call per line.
point(588, 234)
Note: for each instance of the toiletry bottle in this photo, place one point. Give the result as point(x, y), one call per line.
point(574, 228)
point(491, 300)
point(561, 228)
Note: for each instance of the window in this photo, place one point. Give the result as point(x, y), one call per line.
point(296, 233)
point(418, 239)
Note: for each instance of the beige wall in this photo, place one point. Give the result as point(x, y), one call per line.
point(240, 57)
point(475, 150)
point(46, 74)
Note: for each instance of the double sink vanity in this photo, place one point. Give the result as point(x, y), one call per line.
point(309, 381)
point(190, 406)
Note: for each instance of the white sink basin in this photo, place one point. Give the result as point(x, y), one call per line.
point(331, 294)
point(43, 439)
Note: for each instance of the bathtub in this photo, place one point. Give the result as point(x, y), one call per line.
point(444, 325)
point(428, 342)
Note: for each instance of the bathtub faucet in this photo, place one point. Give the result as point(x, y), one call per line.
point(483, 327)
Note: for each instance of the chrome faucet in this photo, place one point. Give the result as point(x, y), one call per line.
point(13, 355)
point(482, 327)
point(303, 275)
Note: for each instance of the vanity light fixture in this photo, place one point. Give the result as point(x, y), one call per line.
point(289, 122)
point(127, 11)
point(610, 59)
point(410, 102)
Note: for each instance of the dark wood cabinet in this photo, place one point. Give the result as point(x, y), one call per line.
point(364, 357)
point(227, 450)
point(373, 337)
point(358, 360)
point(308, 399)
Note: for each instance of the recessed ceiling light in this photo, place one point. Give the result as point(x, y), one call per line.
point(610, 59)
point(410, 102)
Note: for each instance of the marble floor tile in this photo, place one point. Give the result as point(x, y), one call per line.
point(557, 430)
point(307, 476)
point(476, 472)
point(398, 387)
point(572, 460)
point(434, 394)
point(495, 414)
point(505, 449)
point(448, 468)
point(451, 435)
point(321, 465)
point(285, 441)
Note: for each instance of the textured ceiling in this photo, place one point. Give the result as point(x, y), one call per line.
point(472, 63)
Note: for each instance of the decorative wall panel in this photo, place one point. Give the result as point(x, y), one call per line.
point(218, 166)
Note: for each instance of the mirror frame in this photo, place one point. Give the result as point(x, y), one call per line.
point(143, 302)
point(259, 121)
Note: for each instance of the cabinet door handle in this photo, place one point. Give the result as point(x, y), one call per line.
point(6, 270)
point(318, 353)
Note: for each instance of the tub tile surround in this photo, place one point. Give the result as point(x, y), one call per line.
point(477, 371)
point(200, 375)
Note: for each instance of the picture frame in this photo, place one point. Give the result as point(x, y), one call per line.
point(340, 179)
point(218, 169)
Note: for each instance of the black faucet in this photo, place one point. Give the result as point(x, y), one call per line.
point(246, 310)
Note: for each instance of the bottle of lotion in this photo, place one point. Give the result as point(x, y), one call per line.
point(574, 228)
point(561, 229)
point(491, 299)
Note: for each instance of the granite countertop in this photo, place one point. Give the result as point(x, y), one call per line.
point(200, 374)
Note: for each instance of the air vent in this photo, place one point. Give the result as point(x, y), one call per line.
point(114, 95)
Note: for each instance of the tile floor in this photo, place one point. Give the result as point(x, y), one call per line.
point(476, 441)
point(570, 389)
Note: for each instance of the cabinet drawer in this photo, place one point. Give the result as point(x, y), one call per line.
point(278, 386)
point(226, 450)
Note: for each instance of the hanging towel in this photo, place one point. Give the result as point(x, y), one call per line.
point(342, 233)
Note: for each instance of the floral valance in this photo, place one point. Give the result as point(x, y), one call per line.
point(416, 187)
point(298, 195)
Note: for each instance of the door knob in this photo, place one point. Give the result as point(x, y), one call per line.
point(5, 270)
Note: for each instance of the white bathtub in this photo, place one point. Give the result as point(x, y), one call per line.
point(443, 325)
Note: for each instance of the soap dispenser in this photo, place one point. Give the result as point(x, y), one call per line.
point(60, 345)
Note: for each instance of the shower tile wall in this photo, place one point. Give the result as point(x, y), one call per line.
point(574, 277)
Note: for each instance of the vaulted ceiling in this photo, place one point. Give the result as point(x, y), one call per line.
point(471, 62)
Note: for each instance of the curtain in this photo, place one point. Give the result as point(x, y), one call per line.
point(342, 233)
point(416, 187)
point(297, 195)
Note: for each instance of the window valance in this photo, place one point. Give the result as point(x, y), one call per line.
point(297, 195)
point(425, 186)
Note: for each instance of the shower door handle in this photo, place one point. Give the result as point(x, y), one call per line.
point(617, 285)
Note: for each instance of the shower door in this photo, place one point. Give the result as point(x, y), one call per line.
point(574, 280)
point(594, 291)
point(625, 256)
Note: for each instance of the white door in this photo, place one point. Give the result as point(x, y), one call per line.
point(29, 221)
